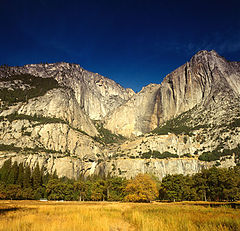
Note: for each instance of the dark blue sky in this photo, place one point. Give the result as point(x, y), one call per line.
point(133, 42)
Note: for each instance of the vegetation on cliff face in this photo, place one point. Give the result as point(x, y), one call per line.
point(208, 125)
point(106, 136)
point(36, 86)
point(157, 155)
point(39, 119)
point(218, 153)
point(18, 181)
point(179, 125)
point(26, 150)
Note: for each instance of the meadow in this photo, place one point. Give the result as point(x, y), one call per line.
point(115, 216)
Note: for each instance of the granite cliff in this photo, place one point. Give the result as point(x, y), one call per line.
point(95, 94)
point(77, 122)
point(205, 78)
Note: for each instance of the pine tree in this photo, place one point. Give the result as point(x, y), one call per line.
point(80, 189)
point(45, 178)
point(55, 176)
point(20, 174)
point(36, 177)
point(5, 170)
point(13, 174)
point(27, 182)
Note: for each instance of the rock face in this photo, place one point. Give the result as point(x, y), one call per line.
point(193, 113)
point(204, 77)
point(32, 137)
point(137, 116)
point(129, 168)
point(199, 81)
point(64, 166)
point(95, 94)
point(57, 103)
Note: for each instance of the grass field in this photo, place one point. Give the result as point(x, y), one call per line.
point(101, 216)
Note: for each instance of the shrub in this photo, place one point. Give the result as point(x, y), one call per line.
point(218, 153)
point(157, 155)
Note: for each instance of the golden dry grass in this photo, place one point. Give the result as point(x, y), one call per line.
point(105, 216)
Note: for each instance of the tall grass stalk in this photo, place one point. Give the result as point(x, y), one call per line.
point(103, 216)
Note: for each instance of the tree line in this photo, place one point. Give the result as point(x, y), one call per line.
point(19, 181)
point(214, 184)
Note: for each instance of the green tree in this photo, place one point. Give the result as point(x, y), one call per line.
point(36, 177)
point(115, 188)
point(45, 177)
point(20, 174)
point(228, 184)
point(13, 174)
point(189, 192)
point(3, 193)
point(27, 194)
point(27, 181)
point(57, 190)
point(177, 187)
point(80, 188)
point(214, 187)
point(13, 192)
point(99, 190)
point(5, 170)
point(200, 184)
point(55, 176)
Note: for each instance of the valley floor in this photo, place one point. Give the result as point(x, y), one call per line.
point(113, 216)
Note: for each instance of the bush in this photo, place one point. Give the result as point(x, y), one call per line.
point(157, 155)
point(188, 155)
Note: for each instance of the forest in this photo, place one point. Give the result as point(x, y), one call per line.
point(19, 181)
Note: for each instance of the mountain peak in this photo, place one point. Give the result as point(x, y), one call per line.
point(206, 54)
point(211, 58)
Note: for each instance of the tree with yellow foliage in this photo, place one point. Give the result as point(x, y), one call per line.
point(141, 189)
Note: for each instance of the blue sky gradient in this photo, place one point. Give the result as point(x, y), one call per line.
point(133, 42)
